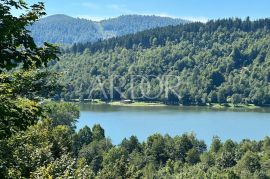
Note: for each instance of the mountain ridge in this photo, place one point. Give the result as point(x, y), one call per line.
point(67, 30)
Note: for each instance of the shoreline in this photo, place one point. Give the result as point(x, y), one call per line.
point(160, 104)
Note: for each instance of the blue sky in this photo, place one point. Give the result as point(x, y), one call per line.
point(199, 10)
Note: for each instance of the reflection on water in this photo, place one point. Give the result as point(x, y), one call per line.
point(111, 108)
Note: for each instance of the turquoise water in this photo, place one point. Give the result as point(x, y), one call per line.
point(120, 122)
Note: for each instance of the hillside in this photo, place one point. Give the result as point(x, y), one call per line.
point(129, 24)
point(224, 61)
point(67, 30)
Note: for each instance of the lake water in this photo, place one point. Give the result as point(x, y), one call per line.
point(120, 122)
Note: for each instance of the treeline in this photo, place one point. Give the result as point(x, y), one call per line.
point(64, 30)
point(223, 61)
point(129, 24)
point(159, 36)
point(68, 30)
point(53, 149)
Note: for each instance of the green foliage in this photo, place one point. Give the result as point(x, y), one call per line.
point(19, 96)
point(39, 149)
point(62, 113)
point(98, 132)
point(216, 145)
point(93, 153)
point(155, 149)
point(18, 89)
point(36, 147)
point(60, 168)
point(67, 30)
point(45, 151)
point(250, 162)
point(84, 137)
point(64, 167)
point(129, 24)
point(17, 46)
point(217, 78)
point(115, 164)
point(207, 159)
point(132, 144)
point(23, 114)
point(193, 156)
point(186, 32)
point(221, 61)
point(226, 160)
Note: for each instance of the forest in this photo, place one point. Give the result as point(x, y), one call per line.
point(67, 30)
point(223, 61)
point(39, 139)
point(52, 148)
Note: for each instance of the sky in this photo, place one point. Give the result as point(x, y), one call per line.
point(194, 10)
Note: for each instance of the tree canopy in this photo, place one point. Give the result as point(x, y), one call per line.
point(21, 88)
point(222, 61)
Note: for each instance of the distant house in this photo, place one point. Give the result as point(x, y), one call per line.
point(126, 101)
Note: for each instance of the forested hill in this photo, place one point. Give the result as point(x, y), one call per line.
point(159, 36)
point(67, 30)
point(224, 61)
point(129, 24)
point(64, 29)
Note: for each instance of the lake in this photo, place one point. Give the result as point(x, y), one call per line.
point(120, 122)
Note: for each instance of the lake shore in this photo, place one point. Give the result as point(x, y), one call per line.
point(159, 104)
point(206, 122)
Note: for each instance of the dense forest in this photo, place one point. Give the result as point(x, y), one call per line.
point(189, 31)
point(129, 24)
point(67, 30)
point(53, 149)
point(222, 61)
